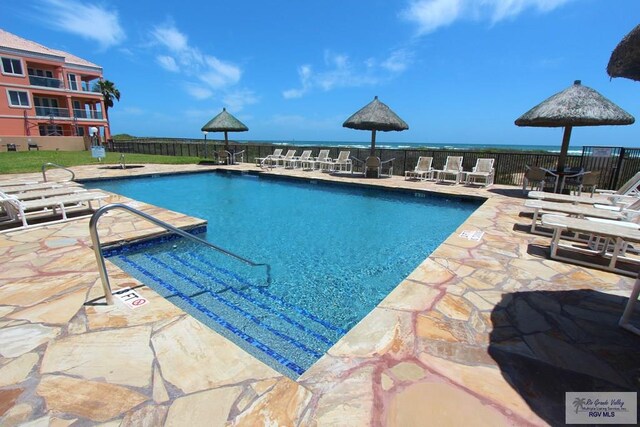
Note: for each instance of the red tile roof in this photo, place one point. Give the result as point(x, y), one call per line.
point(12, 41)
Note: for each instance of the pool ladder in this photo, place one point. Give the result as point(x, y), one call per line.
point(97, 249)
point(55, 165)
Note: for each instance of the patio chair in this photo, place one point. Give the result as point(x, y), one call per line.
point(422, 171)
point(483, 170)
point(629, 188)
point(341, 164)
point(270, 159)
point(452, 167)
point(23, 188)
point(621, 234)
point(19, 210)
point(536, 177)
point(41, 194)
point(314, 162)
point(296, 162)
point(372, 167)
point(579, 181)
point(386, 167)
point(283, 160)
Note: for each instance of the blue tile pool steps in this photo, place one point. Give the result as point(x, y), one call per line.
point(286, 337)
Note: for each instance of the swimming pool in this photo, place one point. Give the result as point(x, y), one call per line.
point(335, 252)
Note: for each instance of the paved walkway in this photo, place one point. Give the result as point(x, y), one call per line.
point(483, 332)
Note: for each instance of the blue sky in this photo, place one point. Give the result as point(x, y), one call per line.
point(457, 71)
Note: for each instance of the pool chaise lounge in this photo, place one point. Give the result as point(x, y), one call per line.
point(23, 188)
point(567, 198)
point(621, 234)
point(629, 188)
point(451, 168)
point(315, 162)
point(296, 161)
point(41, 194)
point(483, 170)
point(19, 210)
point(422, 171)
point(579, 211)
point(341, 164)
point(270, 160)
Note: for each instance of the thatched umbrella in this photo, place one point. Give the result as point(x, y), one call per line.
point(625, 59)
point(575, 106)
point(224, 122)
point(375, 116)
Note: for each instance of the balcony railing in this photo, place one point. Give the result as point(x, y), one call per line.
point(50, 111)
point(45, 81)
point(84, 114)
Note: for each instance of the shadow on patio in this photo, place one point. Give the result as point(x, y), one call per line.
point(547, 343)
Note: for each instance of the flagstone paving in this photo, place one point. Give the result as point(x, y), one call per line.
point(483, 332)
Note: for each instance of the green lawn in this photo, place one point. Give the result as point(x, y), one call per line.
point(32, 161)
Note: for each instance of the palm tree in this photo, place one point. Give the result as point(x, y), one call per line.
point(109, 92)
point(579, 403)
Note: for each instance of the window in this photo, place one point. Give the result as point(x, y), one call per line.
point(40, 73)
point(73, 83)
point(18, 98)
point(12, 66)
point(50, 130)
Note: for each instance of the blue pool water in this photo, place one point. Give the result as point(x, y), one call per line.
point(335, 252)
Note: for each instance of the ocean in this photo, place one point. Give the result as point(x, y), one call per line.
point(574, 149)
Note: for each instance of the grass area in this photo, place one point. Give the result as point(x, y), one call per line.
point(32, 161)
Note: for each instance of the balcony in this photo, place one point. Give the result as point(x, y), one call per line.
point(51, 111)
point(45, 82)
point(83, 114)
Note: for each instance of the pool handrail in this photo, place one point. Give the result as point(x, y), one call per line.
point(97, 249)
point(55, 165)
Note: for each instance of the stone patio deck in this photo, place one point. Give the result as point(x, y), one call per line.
point(487, 332)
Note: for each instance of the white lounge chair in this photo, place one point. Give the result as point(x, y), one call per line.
point(23, 188)
point(579, 211)
point(41, 194)
point(282, 161)
point(341, 164)
point(296, 162)
point(422, 171)
point(315, 162)
point(270, 159)
point(19, 210)
point(452, 168)
point(568, 198)
point(629, 188)
point(620, 234)
point(483, 170)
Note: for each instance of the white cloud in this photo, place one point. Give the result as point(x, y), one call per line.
point(237, 100)
point(85, 20)
point(168, 63)
point(430, 15)
point(339, 71)
point(207, 74)
point(198, 92)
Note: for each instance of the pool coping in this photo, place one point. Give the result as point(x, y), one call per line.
point(363, 381)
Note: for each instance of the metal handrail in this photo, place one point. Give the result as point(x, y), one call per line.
point(122, 163)
point(55, 165)
point(97, 249)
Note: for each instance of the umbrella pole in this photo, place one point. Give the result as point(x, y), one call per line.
point(373, 143)
point(226, 146)
point(563, 150)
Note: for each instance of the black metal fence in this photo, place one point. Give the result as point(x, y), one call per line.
point(615, 164)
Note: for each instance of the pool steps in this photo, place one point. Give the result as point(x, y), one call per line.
point(286, 337)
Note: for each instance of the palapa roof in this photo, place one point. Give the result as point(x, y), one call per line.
point(575, 106)
point(625, 59)
point(375, 116)
point(224, 122)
